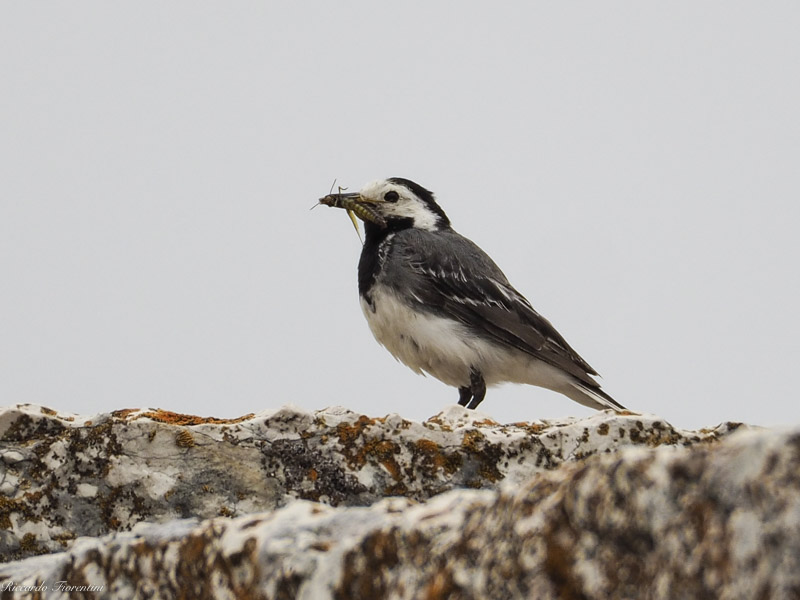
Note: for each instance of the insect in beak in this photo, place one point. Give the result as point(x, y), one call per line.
point(355, 207)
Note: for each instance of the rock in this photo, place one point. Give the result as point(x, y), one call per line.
point(712, 520)
point(65, 476)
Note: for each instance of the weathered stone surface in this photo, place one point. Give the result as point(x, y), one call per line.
point(710, 521)
point(64, 476)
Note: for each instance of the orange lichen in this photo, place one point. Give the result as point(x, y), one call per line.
point(487, 454)
point(442, 425)
point(441, 586)
point(172, 418)
point(473, 440)
point(375, 449)
point(184, 439)
point(383, 451)
point(123, 413)
point(29, 545)
point(320, 546)
point(397, 489)
point(532, 428)
point(427, 446)
point(432, 455)
point(348, 433)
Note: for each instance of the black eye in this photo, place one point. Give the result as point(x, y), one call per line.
point(391, 196)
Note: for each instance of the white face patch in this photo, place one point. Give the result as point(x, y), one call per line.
point(407, 204)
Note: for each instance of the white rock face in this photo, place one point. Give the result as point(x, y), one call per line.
point(332, 504)
point(710, 521)
point(65, 476)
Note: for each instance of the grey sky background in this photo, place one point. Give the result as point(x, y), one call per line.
point(632, 167)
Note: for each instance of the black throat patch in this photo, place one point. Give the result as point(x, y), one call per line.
point(377, 243)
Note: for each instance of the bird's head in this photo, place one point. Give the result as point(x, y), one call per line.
point(392, 204)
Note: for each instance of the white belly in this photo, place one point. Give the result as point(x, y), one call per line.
point(446, 349)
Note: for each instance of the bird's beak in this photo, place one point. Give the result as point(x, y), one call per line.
point(356, 206)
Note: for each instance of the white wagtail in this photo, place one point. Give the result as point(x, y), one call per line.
point(440, 305)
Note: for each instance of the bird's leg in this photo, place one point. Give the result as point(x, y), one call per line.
point(464, 395)
point(477, 388)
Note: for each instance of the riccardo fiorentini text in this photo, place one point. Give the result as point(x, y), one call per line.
point(57, 586)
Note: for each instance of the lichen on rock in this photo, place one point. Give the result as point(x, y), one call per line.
point(714, 520)
point(65, 476)
point(331, 504)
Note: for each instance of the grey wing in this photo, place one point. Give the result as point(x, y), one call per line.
point(450, 275)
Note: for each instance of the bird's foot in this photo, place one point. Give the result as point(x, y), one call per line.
point(473, 394)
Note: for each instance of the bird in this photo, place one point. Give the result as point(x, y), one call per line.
point(441, 306)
